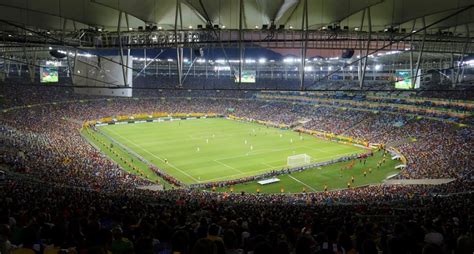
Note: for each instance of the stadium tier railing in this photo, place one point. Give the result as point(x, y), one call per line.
point(266, 123)
point(146, 117)
point(337, 138)
point(309, 98)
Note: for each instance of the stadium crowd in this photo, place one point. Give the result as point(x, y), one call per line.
point(70, 196)
point(433, 148)
point(42, 218)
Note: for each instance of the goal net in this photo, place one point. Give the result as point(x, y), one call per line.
point(298, 160)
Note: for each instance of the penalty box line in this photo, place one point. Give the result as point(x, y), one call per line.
point(227, 166)
point(143, 149)
point(290, 176)
point(267, 169)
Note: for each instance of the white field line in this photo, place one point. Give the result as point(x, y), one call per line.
point(338, 156)
point(264, 151)
point(290, 176)
point(193, 137)
point(266, 169)
point(143, 149)
point(227, 166)
point(243, 173)
point(325, 150)
point(259, 152)
point(266, 164)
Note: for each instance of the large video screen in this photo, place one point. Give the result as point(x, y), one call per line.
point(247, 77)
point(403, 79)
point(49, 74)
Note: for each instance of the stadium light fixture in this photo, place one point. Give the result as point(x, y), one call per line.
point(330, 68)
point(288, 60)
point(262, 60)
point(350, 68)
point(222, 68)
point(220, 61)
point(308, 68)
point(223, 26)
point(256, 26)
point(190, 27)
point(378, 67)
point(291, 27)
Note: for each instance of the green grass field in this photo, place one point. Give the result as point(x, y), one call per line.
point(216, 149)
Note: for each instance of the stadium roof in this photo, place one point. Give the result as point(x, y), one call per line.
point(75, 14)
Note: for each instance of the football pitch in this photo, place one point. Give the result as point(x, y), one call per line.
point(217, 149)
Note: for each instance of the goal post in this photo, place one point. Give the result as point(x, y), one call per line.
point(298, 160)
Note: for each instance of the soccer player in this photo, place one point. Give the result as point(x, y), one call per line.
point(166, 161)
